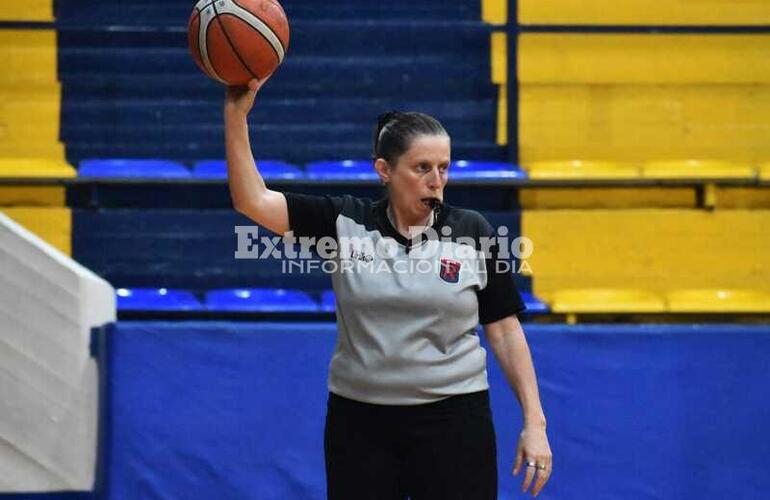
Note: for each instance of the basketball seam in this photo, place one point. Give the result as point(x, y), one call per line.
point(201, 9)
point(232, 46)
point(203, 48)
point(267, 27)
point(283, 46)
point(277, 57)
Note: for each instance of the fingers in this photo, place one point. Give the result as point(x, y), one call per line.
point(519, 460)
point(528, 475)
point(238, 90)
point(234, 92)
point(537, 470)
point(543, 474)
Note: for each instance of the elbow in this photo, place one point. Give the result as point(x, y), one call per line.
point(495, 335)
point(244, 207)
point(238, 206)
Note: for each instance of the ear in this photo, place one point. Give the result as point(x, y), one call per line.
point(383, 170)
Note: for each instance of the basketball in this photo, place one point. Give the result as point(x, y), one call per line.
point(233, 41)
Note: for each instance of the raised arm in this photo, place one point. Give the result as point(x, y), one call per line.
point(250, 195)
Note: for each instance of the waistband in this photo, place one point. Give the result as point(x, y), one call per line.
point(456, 402)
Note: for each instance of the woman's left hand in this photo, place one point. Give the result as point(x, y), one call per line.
point(533, 453)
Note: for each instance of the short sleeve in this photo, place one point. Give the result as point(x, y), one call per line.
point(499, 298)
point(313, 216)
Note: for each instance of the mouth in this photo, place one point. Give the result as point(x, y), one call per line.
point(431, 202)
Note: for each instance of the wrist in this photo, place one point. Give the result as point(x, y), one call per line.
point(535, 421)
point(232, 111)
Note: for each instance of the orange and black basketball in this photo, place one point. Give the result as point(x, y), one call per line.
point(234, 41)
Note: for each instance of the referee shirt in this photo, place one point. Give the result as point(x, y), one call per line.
point(407, 310)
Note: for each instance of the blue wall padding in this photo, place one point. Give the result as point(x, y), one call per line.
point(224, 410)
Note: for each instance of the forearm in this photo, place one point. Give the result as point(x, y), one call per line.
point(512, 352)
point(247, 186)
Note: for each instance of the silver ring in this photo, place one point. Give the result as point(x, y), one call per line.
point(531, 464)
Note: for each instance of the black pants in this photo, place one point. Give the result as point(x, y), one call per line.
point(437, 451)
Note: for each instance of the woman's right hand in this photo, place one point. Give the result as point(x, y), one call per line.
point(241, 99)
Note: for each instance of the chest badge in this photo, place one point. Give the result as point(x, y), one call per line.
point(450, 270)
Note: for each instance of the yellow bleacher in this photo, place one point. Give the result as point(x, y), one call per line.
point(718, 301)
point(606, 301)
point(698, 169)
point(643, 97)
point(691, 107)
point(30, 107)
point(645, 12)
point(764, 172)
point(28, 10)
point(30, 95)
point(654, 249)
point(35, 168)
point(579, 169)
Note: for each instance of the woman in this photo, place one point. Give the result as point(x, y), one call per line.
point(408, 411)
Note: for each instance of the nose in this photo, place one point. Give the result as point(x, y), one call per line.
point(434, 180)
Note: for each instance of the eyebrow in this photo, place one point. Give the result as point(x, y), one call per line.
point(428, 162)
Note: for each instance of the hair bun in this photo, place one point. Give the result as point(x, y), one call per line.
point(382, 121)
point(386, 118)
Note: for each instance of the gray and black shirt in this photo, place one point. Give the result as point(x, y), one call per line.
point(407, 312)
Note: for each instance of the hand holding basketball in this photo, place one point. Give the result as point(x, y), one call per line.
point(241, 98)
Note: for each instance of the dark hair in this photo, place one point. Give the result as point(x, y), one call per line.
point(395, 131)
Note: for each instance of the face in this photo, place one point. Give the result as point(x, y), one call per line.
point(419, 176)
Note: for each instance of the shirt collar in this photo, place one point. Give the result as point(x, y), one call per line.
point(387, 228)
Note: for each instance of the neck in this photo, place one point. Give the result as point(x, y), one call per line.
point(401, 222)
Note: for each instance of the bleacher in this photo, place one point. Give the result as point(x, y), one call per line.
point(131, 89)
point(628, 142)
point(143, 129)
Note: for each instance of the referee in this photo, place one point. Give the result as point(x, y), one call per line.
point(408, 412)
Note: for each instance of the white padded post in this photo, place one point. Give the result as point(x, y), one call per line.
point(48, 381)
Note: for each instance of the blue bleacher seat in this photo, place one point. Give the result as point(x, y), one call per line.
point(270, 169)
point(341, 170)
point(534, 305)
point(328, 302)
point(118, 168)
point(463, 169)
point(260, 300)
point(156, 299)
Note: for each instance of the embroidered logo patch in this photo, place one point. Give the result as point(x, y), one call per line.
point(450, 270)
